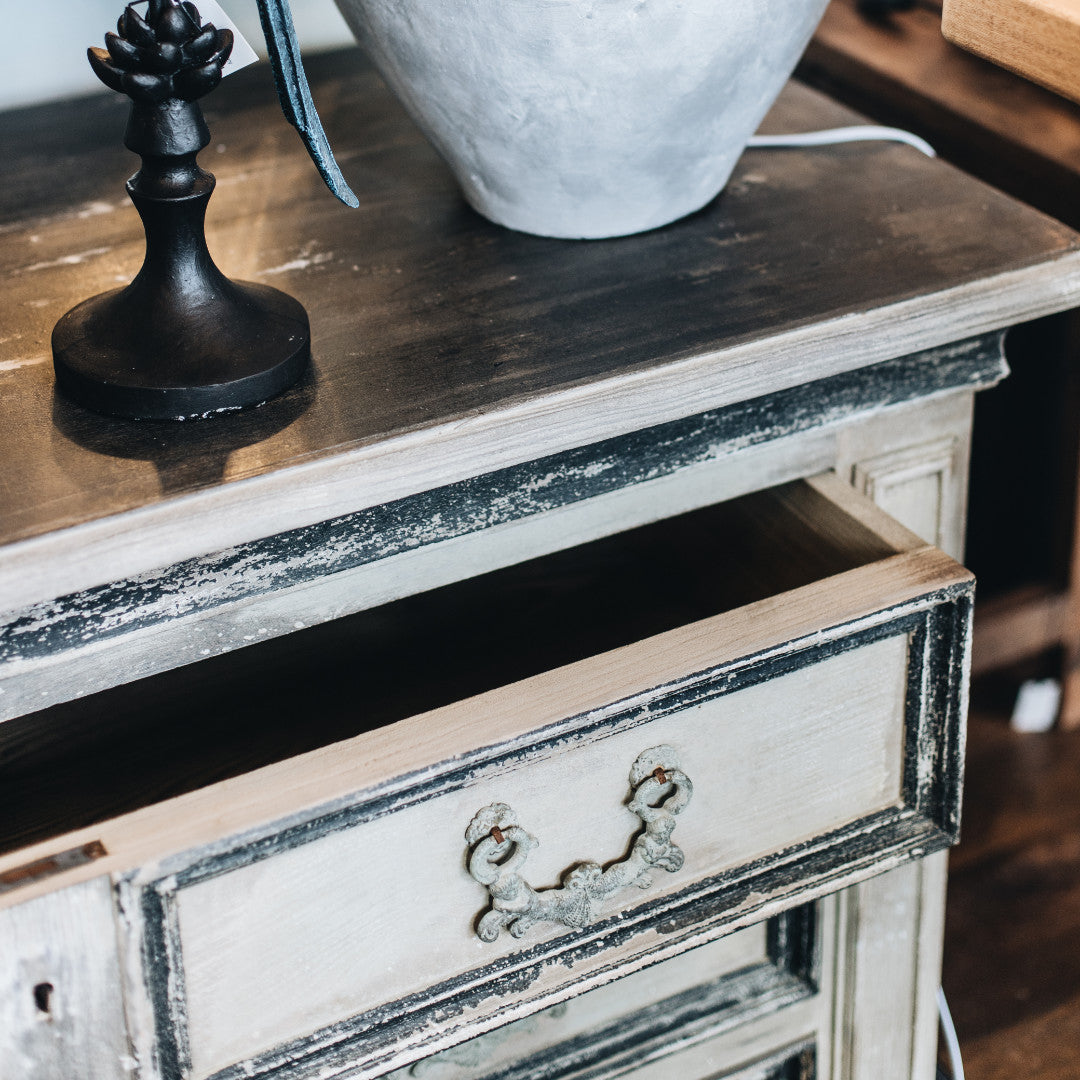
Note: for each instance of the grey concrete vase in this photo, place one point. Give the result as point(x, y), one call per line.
point(586, 118)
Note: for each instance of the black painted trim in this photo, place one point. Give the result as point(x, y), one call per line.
point(666, 1027)
point(801, 1064)
point(936, 625)
point(317, 551)
point(793, 942)
point(376, 1034)
point(162, 960)
point(692, 689)
point(702, 1012)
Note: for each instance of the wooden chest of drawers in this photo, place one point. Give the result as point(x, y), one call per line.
point(542, 691)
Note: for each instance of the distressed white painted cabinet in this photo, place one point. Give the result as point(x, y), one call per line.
point(567, 681)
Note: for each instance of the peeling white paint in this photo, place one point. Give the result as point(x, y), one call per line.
point(64, 260)
point(301, 263)
point(96, 208)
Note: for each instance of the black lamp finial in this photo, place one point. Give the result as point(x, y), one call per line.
point(181, 340)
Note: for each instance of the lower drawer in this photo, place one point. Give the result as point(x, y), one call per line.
point(645, 1016)
point(649, 1019)
point(356, 908)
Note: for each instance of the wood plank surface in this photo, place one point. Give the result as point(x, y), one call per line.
point(1039, 39)
point(1012, 933)
point(434, 328)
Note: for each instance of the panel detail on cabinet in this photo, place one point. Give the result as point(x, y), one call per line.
point(922, 486)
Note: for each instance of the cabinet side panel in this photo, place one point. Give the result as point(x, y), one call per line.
point(934, 872)
point(891, 968)
point(61, 1012)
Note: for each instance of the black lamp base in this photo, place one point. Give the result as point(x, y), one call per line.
point(182, 341)
point(239, 348)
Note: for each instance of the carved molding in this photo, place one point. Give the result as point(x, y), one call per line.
point(916, 486)
point(499, 847)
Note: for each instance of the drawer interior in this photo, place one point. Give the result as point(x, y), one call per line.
point(81, 762)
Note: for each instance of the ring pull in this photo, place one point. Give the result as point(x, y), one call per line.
point(499, 846)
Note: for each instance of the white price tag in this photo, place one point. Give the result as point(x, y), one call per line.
point(242, 53)
point(210, 11)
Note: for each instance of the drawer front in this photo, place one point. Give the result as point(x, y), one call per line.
point(381, 906)
point(344, 914)
point(812, 766)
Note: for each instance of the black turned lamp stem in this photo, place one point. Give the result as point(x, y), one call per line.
point(182, 340)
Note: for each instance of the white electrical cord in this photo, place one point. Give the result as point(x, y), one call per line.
point(952, 1044)
point(831, 136)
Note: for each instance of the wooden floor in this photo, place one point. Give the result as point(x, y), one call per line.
point(1012, 941)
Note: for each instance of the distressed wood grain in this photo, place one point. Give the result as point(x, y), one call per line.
point(448, 355)
point(782, 540)
point(399, 913)
point(799, 663)
point(302, 577)
point(404, 747)
point(494, 346)
point(97, 757)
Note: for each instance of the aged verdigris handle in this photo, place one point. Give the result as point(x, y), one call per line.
point(499, 847)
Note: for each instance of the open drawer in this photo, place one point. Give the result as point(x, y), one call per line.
point(326, 915)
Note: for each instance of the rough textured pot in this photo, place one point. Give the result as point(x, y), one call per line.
point(586, 118)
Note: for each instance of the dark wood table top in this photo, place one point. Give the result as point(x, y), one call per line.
point(445, 346)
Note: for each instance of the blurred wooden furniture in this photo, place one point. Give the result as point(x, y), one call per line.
point(1038, 39)
point(1023, 540)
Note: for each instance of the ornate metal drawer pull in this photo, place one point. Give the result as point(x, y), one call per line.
point(499, 847)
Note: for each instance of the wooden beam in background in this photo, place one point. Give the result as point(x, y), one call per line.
point(1039, 39)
